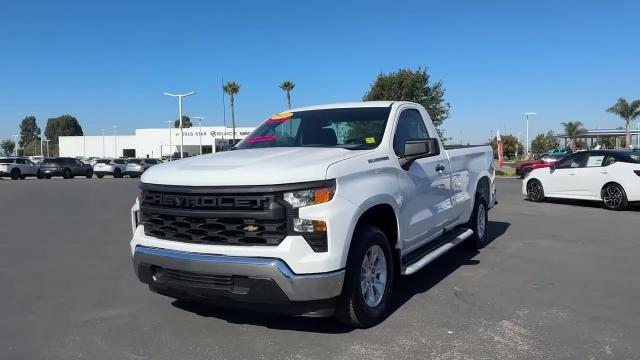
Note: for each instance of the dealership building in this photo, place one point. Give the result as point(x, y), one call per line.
point(152, 143)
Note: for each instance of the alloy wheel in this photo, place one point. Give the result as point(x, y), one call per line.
point(373, 276)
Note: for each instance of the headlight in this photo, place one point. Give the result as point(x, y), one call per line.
point(302, 198)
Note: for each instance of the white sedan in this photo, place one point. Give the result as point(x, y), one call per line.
point(610, 176)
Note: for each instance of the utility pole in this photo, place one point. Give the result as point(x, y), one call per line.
point(15, 145)
point(103, 152)
point(180, 96)
point(170, 147)
point(47, 147)
point(527, 115)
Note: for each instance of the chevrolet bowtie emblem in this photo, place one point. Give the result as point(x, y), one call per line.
point(251, 228)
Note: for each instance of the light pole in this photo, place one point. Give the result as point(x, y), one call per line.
point(115, 142)
point(15, 145)
point(170, 146)
point(199, 118)
point(103, 152)
point(41, 153)
point(527, 114)
point(180, 96)
point(47, 147)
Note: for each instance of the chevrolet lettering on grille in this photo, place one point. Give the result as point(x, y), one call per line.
point(210, 202)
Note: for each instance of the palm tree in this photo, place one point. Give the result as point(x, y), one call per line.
point(287, 86)
point(573, 129)
point(628, 112)
point(232, 88)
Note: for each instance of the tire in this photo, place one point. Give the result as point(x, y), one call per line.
point(117, 173)
point(133, 176)
point(535, 191)
point(478, 223)
point(364, 308)
point(22, 177)
point(39, 175)
point(89, 174)
point(15, 174)
point(614, 197)
point(100, 176)
point(47, 176)
point(67, 174)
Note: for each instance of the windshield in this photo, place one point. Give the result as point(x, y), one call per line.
point(103, 161)
point(50, 161)
point(351, 128)
point(133, 161)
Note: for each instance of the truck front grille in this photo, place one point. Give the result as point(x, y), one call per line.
point(213, 216)
point(215, 231)
point(185, 278)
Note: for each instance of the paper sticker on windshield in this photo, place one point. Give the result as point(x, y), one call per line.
point(370, 140)
point(261, 139)
point(280, 117)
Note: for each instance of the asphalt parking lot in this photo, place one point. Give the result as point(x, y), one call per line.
point(559, 280)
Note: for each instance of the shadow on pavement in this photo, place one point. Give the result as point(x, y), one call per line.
point(408, 287)
point(633, 207)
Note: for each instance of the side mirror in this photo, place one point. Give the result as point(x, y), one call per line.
point(552, 167)
point(417, 149)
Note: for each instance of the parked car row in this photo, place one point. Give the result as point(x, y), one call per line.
point(20, 168)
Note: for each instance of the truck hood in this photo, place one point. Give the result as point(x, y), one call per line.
point(269, 166)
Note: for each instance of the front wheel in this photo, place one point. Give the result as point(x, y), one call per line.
point(89, 174)
point(366, 295)
point(100, 176)
point(535, 191)
point(40, 176)
point(117, 173)
point(67, 174)
point(614, 197)
point(15, 174)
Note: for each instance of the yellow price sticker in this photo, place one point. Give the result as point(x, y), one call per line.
point(282, 115)
point(370, 140)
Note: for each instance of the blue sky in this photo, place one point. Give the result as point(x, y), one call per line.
point(108, 63)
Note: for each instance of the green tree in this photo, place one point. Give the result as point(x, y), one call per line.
point(628, 112)
point(573, 129)
point(65, 125)
point(287, 87)
point(509, 145)
point(415, 86)
point(186, 122)
point(29, 131)
point(7, 146)
point(232, 88)
point(32, 148)
point(544, 142)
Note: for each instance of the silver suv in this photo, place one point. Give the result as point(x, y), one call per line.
point(135, 167)
point(115, 167)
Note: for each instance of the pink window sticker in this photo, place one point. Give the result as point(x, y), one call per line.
point(278, 121)
point(261, 139)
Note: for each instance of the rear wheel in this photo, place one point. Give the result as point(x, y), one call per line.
point(535, 191)
point(369, 275)
point(478, 223)
point(47, 176)
point(614, 197)
point(15, 174)
point(39, 175)
point(100, 176)
point(89, 174)
point(67, 174)
point(117, 173)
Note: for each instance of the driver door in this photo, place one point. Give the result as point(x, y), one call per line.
point(425, 185)
point(563, 177)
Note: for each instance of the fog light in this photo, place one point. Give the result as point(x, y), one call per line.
point(309, 226)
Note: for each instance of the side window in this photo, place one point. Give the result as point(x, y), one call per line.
point(410, 126)
point(20, 161)
point(595, 160)
point(609, 160)
point(577, 160)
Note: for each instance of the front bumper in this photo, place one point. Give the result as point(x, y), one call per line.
point(249, 279)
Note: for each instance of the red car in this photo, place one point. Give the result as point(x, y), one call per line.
point(544, 161)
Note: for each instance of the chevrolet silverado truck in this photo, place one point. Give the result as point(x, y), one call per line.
point(318, 212)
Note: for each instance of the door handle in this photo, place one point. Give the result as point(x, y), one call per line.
point(439, 167)
point(603, 172)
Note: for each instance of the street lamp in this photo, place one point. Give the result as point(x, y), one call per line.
point(103, 152)
point(200, 118)
point(47, 141)
point(527, 114)
point(115, 142)
point(170, 146)
point(15, 145)
point(180, 96)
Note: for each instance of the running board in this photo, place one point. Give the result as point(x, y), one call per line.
point(435, 253)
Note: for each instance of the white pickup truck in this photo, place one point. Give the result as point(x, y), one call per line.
point(317, 212)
